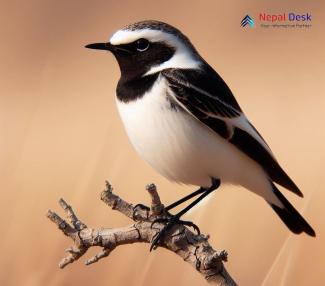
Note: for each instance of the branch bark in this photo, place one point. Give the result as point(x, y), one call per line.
point(192, 248)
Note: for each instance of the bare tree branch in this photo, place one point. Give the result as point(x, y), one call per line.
point(192, 248)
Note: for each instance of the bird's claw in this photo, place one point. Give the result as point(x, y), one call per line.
point(191, 224)
point(170, 222)
point(137, 207)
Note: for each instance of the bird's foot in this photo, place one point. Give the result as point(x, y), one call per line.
point(138, 208)
point(169, 223)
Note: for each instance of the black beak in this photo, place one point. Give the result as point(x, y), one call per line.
point(101, 46)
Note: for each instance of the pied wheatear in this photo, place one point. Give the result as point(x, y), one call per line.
point(183, 119)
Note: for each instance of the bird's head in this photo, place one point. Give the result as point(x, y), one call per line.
point(148, 47)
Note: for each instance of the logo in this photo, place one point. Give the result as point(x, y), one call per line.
point(278, 20)
point(248, 20)
point(285, 17)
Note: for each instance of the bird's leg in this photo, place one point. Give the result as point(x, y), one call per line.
point(186, 198)
point(175, 219)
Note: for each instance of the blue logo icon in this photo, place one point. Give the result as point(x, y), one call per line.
point(247, 20)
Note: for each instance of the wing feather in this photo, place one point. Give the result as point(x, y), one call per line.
point(207, 97)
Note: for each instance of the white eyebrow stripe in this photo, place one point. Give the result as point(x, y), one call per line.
point(127, 36)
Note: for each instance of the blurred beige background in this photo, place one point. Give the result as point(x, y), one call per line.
point(60, 136)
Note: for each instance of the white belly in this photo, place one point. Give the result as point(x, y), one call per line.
point(183, 149)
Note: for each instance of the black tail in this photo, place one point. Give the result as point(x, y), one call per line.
point(290, 216)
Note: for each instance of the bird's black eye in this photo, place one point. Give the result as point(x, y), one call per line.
point(142, 45)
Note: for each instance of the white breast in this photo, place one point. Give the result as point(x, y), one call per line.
point(163, 137)
point(181, 148)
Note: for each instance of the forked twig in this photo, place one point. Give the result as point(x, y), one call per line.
point(192, 248)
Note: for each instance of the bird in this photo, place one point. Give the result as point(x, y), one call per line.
point(184, 121)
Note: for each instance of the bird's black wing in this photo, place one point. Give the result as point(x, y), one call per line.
point(207, 97)
point(216, 98)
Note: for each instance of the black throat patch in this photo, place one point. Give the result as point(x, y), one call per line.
point(135, 64)
point(129, 90)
